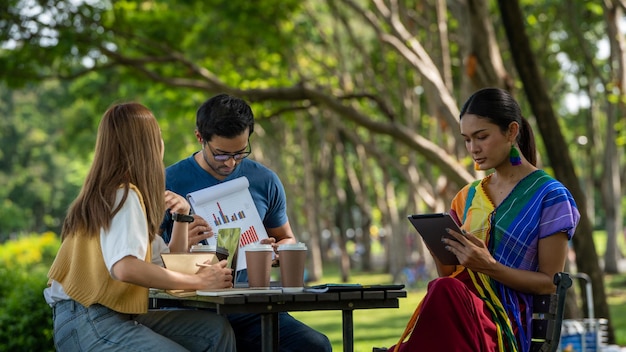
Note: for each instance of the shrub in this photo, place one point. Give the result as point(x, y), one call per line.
point(25, 318)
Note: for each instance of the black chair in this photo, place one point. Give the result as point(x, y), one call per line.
point(547, 317)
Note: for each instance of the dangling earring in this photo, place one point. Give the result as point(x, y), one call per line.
point(514, 156)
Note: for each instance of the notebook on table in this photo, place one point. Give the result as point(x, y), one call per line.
point(352, 287)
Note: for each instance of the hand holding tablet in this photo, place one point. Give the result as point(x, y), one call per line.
point(432, 228)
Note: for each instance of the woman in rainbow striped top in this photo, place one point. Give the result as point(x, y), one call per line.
point(516, 223)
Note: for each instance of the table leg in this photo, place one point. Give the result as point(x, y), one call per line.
point(348, 331)
point(269, 332)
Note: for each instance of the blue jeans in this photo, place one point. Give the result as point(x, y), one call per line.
point(293, 335)
point(98, 328)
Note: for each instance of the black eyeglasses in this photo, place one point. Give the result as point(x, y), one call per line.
point(227, 156)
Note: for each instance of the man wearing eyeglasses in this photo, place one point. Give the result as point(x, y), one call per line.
point(223, 127)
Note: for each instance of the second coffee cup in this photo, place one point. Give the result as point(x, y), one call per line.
point(259, 264)
point(292, 258)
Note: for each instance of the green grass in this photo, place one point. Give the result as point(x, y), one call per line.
point(372, 327)
point(383, 327)
point(616, 299)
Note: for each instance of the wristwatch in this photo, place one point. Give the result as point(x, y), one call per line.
point(182, 217)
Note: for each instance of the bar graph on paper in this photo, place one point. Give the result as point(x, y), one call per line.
point(220, 218)
point(230, 205)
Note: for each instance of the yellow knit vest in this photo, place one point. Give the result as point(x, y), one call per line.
point(79, 267)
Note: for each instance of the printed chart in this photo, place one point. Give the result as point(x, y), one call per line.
point(228, 206)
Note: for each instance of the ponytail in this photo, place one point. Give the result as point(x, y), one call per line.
point(526, 142)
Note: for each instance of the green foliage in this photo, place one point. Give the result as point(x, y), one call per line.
point(25, 318)
point(30, 251)
point(34, 173)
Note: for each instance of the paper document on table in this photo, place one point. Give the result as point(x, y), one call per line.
point(238, 291)
point(182, 293)
point(227, 206)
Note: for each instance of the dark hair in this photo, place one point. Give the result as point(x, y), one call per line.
point(499, 107)
point(225, 116)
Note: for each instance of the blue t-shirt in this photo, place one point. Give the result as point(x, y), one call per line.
point(267, 191)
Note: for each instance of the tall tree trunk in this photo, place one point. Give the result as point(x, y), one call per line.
point(395, 237)
point(611, 178)
point(310, 204)
point(536, 92)
point(358, 184)
point(342, 214)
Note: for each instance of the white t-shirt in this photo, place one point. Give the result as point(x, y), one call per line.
point(159, 246)
point(127, 236)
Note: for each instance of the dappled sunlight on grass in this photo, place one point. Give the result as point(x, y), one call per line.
point(372, 327)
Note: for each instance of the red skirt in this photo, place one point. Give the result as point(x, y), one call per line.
point(452, 318)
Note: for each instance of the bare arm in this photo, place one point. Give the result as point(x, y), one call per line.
point(134, 271)
point(278, 236)
point(177, 204)
point(473, 254)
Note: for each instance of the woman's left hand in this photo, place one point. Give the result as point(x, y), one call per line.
point(470, 250)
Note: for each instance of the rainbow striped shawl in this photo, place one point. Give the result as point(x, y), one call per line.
point(538, 207)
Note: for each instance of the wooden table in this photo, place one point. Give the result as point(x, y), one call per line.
point(268, 305)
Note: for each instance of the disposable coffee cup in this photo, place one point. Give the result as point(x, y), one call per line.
point(292, 260)
point(259, 264)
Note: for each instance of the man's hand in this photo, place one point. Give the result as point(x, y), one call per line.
point(199, 230)
point(272, 241)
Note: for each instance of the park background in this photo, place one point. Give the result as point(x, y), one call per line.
point(357, 110)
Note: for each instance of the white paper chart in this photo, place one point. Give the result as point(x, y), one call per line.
point(229, 205)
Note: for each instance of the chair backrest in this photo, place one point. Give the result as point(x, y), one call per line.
point(548, 316)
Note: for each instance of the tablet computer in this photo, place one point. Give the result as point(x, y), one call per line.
point(432, 227)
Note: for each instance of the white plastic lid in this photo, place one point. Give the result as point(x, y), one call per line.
point(300, 246)
point(258, 247)
point(203, 248)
